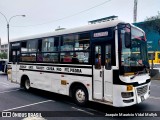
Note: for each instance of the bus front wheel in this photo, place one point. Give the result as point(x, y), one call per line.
point(27, 84)
point(80, 95)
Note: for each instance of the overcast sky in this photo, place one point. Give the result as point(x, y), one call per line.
point(46, 15)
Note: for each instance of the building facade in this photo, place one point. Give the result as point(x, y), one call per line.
point(3, 47)
point(152, 35)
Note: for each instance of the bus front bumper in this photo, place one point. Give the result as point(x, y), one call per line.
point(122, 97)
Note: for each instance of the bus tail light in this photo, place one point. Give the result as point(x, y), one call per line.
point(129, 87)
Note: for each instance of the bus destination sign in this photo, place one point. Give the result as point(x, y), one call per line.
point(101, 34)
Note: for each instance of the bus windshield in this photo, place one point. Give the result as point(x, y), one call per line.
point(133, 58)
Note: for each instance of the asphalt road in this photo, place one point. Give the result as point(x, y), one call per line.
point(52, 106)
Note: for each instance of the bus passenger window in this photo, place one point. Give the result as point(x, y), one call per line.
point(39, 57)
point(108, 57)
point(66, 57)
point(75, 59)
point(82, 41)
point(23, 47)
point(67, 43)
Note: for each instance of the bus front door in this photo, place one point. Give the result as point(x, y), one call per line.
point(102, 73)
point(15, 69)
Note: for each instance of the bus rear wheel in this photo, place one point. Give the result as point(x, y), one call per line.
point(80, 95)
point(27, 84)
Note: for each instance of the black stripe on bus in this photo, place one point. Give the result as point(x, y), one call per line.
point(58, 72)
point(56, 65)
point(117, 81)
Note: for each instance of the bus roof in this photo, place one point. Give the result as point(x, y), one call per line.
point(72, 30)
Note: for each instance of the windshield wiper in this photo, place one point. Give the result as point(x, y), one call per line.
point(136, 74)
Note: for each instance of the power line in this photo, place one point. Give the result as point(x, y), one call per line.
point(67, 16)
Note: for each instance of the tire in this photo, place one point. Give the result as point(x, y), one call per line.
point(27, 84)
point(80, 95)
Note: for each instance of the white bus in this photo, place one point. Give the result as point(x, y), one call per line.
point(87, 63)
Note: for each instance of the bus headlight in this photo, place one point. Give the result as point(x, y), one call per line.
point(129, 87)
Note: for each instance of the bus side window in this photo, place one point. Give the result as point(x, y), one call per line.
point(108, 57)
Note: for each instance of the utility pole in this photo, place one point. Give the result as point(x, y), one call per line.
point(8, 21)
point(135, 11)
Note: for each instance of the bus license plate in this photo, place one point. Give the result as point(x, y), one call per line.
point(142, 98)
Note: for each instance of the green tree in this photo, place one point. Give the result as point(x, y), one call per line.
point(153, 22)
point(3, 55)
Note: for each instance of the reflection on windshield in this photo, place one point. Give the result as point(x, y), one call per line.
point(136, 56)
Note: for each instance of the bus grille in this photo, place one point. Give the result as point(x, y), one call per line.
point(142, 90)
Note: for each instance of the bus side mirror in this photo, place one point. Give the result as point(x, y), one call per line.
point(127, 39)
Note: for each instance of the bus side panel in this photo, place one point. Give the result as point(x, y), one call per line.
point(58, 83)
point(38, 80)
point(70, 79)
point(15, 73)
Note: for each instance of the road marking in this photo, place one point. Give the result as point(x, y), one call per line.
point(29, 105)
point(83, 111)
point(153, 97)
point(9, 91)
